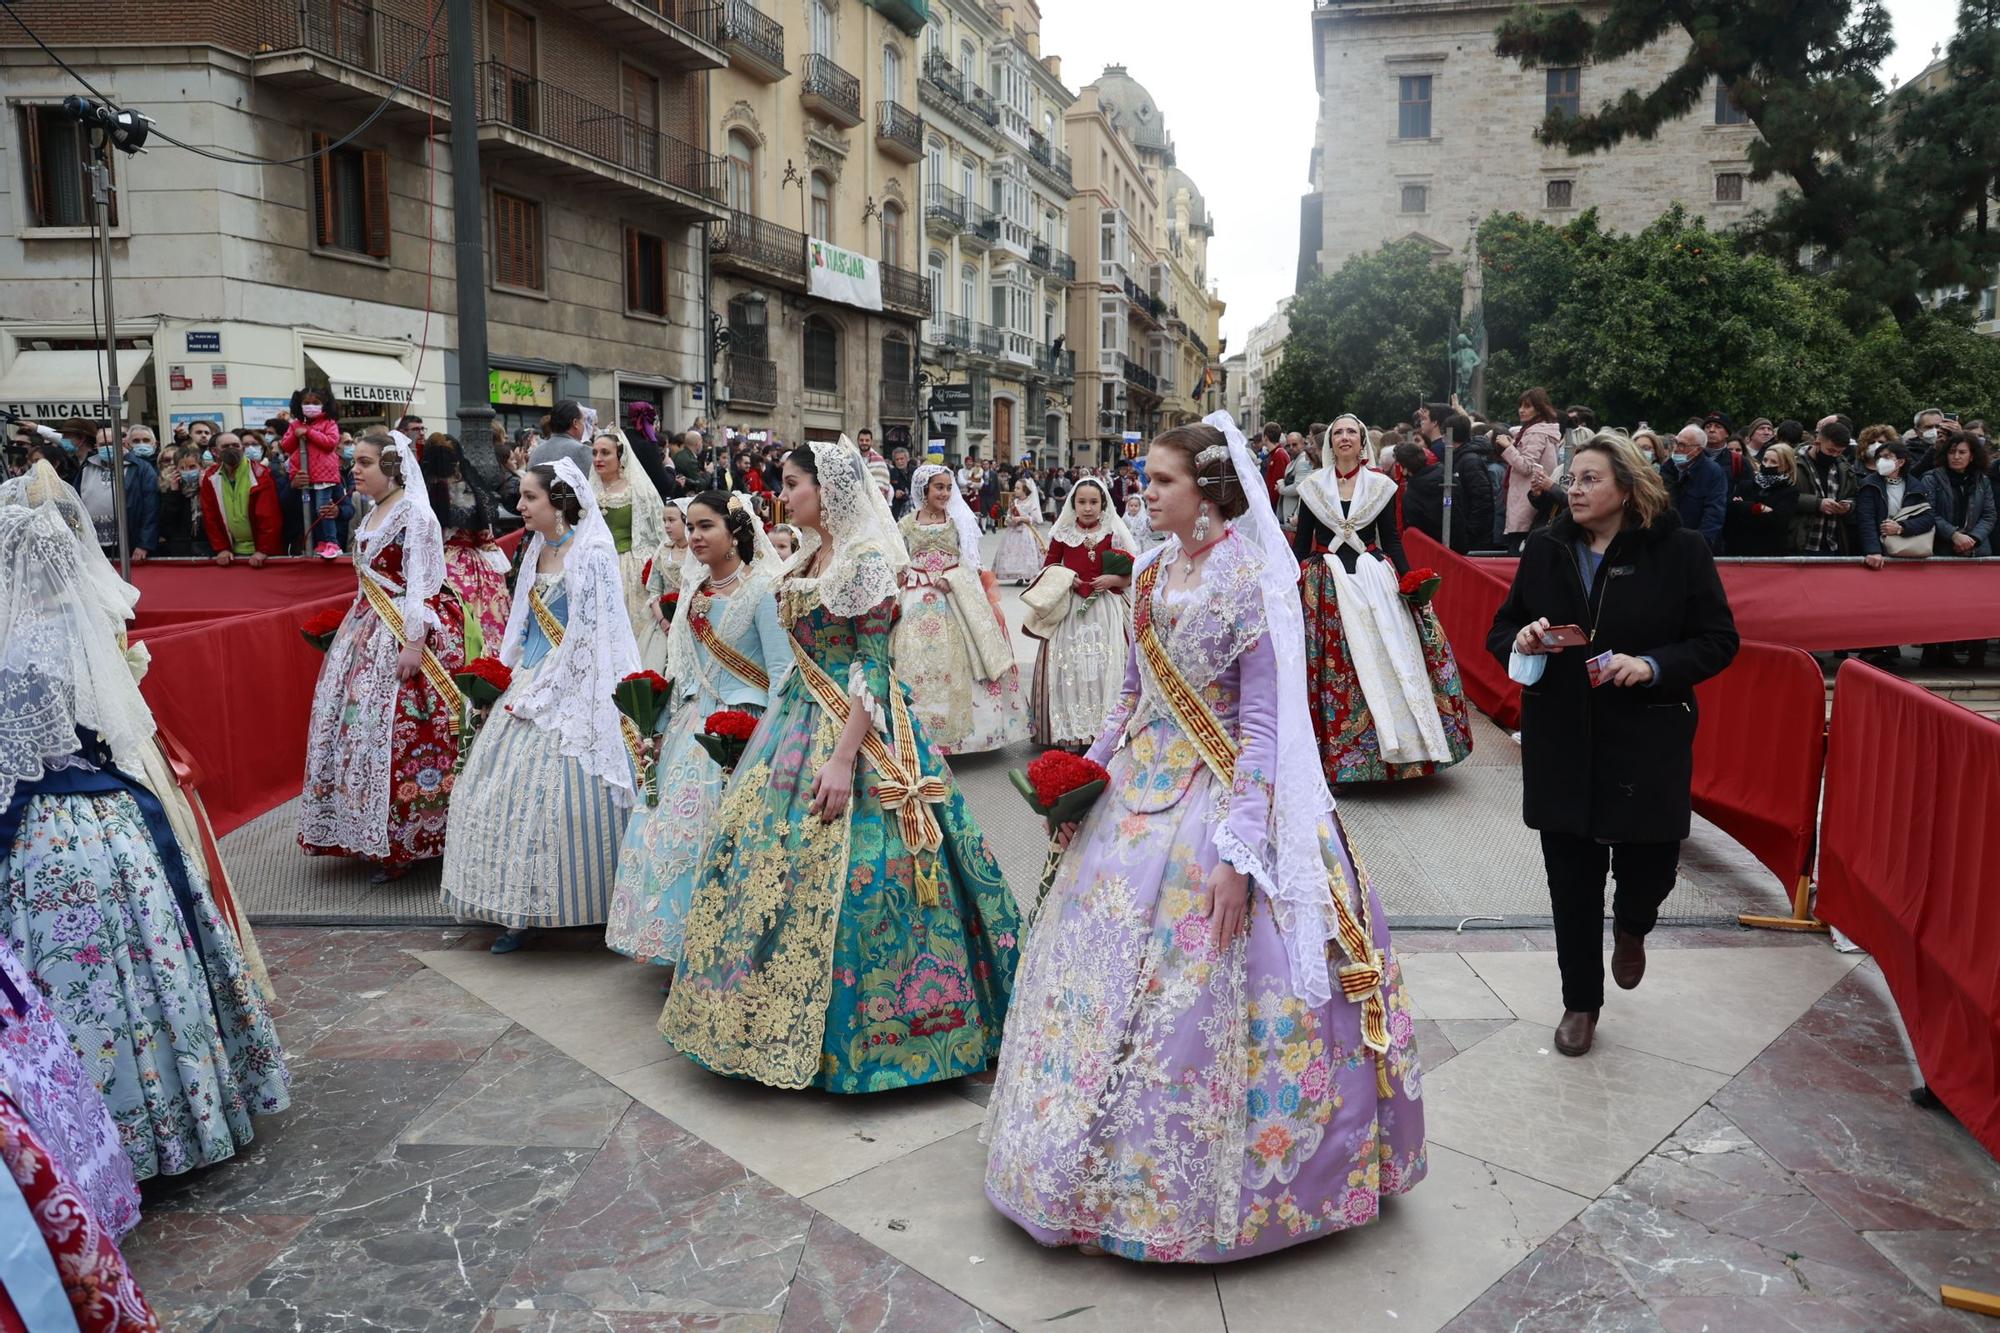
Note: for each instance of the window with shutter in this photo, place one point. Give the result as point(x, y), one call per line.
point(322, 178)
point(645, 273)
point(517, 242)
point(375, 201)
point(56, 156)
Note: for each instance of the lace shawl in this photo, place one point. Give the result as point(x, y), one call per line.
point(416, 527)
point(1373, 492)
point(1109, 521)
point(571, 692)
point(956, 509)
point(868, 553)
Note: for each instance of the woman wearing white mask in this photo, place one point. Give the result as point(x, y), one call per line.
point(537, 816)
point(383, 737)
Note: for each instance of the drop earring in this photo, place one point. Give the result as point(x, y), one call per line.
point(1201, 526)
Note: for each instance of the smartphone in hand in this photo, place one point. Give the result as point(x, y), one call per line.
point(1564, 636)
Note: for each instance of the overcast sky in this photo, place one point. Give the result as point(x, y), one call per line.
point(1235, 84)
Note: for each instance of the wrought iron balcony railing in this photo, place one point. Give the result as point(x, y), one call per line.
point(558, 116)
point(832, 89)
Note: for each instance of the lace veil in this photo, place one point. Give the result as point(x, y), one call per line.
point(61, 666)
point(649, 519)
point(868, 550)
point(764, 565)
point(423, 537)
point(1069, 534)
point(1301, 806)
point(956, 509)
point(572, 688)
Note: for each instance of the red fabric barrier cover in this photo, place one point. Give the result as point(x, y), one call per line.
point(1906, 867)
point(180, 593)
point(1759, 751)
point(1821, 605)
point(1763, 794)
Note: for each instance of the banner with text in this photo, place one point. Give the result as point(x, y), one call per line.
point(842, 275)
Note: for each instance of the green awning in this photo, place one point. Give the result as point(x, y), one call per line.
point(909, 15)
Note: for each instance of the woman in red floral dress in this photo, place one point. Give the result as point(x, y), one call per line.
point(383, 741)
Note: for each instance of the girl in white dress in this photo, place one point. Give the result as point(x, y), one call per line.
point(1020, 557)
point(1081, 666)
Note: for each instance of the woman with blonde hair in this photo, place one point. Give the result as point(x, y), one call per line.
point(1608, 724)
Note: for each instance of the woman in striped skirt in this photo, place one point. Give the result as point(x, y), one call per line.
point(538, 814)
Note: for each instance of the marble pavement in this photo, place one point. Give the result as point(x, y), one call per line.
point(484, 1143)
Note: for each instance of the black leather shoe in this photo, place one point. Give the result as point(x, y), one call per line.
point(1575, 1032)
point(1628, 957)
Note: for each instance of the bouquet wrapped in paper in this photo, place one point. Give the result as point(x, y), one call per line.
point(669, 604)
point(1419, 586)
point(483, 680)
point(642, 697)
point(1061, 787)
point(320, 628)
point(725, 734)
point(1117, 562)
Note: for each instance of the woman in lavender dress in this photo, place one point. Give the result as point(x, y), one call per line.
point(1210, 1052)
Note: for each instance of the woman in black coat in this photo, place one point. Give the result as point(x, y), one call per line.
point(1758, 521)
point(1606, 770)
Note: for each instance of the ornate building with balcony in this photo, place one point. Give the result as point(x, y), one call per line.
point(815, 117)
point(338, 272)
point(996, 200)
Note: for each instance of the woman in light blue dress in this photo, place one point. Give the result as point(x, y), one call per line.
point(537, 815)
point(725, 651)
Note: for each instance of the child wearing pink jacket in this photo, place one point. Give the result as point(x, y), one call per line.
point(312, 442)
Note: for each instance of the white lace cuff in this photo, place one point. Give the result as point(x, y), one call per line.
point(1237, 853)
point(863, 697)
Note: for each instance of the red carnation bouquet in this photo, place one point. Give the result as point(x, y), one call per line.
point(483, 680)
point(321, 627)
point(669, 603)
point(1061, 787)
point(646, 574)
point(1419, 586)
point(725, 734)
point(642, 696)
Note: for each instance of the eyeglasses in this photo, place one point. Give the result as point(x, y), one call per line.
point(1588, 482)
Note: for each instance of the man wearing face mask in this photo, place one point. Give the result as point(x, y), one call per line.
point(1922, 441)
point(1701, 491)
point(142, 493)
point(239, 506)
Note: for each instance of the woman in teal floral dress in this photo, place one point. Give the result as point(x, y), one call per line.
point(111, 918)
point(850, 930)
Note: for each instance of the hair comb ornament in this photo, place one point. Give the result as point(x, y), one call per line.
point(1213, 454)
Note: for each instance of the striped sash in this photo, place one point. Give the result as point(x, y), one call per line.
point(738, 665)
point(1361, 977)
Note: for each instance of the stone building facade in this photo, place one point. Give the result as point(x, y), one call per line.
point(996, 231)
point(1422, 128)
point(816, 120)
point(237, 283)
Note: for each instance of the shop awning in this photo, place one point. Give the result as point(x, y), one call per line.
point(50, 387)
point(365, 377)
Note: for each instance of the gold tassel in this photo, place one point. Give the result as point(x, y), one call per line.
point(927, 884)
point(1382, 1076)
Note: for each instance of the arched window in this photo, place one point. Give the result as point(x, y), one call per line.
point(892, 74)
point(892, 234)
point(936, 266)
point(741, 185)
point(968, 292)
point(1049, 126)
point(822, 206)
point(822, 355)
point(820, 13)
point(966, 59)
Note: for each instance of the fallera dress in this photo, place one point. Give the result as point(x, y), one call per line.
point(664, 844)
point(951, 648)
point(381, 751)
point(1387, 702)
point(811, 958)
point(1158, 1097)
point(1020, 555)
point(475, 567)
point(1081, 666)
point(534, 836)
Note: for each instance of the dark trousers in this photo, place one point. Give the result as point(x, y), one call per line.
point(1644, 874)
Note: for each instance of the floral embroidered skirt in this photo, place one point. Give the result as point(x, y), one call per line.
point(1020, 556)
point(1171, 1102)
point(169, 1023)
point(482, 591)
point(534, 838)
point(961, 713)
point(1080, 671)
point(809, 959)
point(662, 854)
point(1348, 748)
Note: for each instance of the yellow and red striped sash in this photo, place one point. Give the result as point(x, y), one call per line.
point(1362, 976)
point(905, 788)
point(737, 664)
point(391, 615)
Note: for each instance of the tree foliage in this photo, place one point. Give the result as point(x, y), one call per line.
point(1661, 326)
point(1369, 339)
point(1945, 170)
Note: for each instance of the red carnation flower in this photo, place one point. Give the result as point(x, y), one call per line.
point(731, 724)
point(1415, 579)
point(1058, 773)
point(652, 678)
point(327, 621)
point(646, 574)
point(491, 670)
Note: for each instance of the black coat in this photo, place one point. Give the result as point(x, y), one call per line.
point(1745, 532)
point(1423, 502)
point(1616, 762)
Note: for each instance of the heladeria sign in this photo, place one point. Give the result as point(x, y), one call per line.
point(842, 275)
